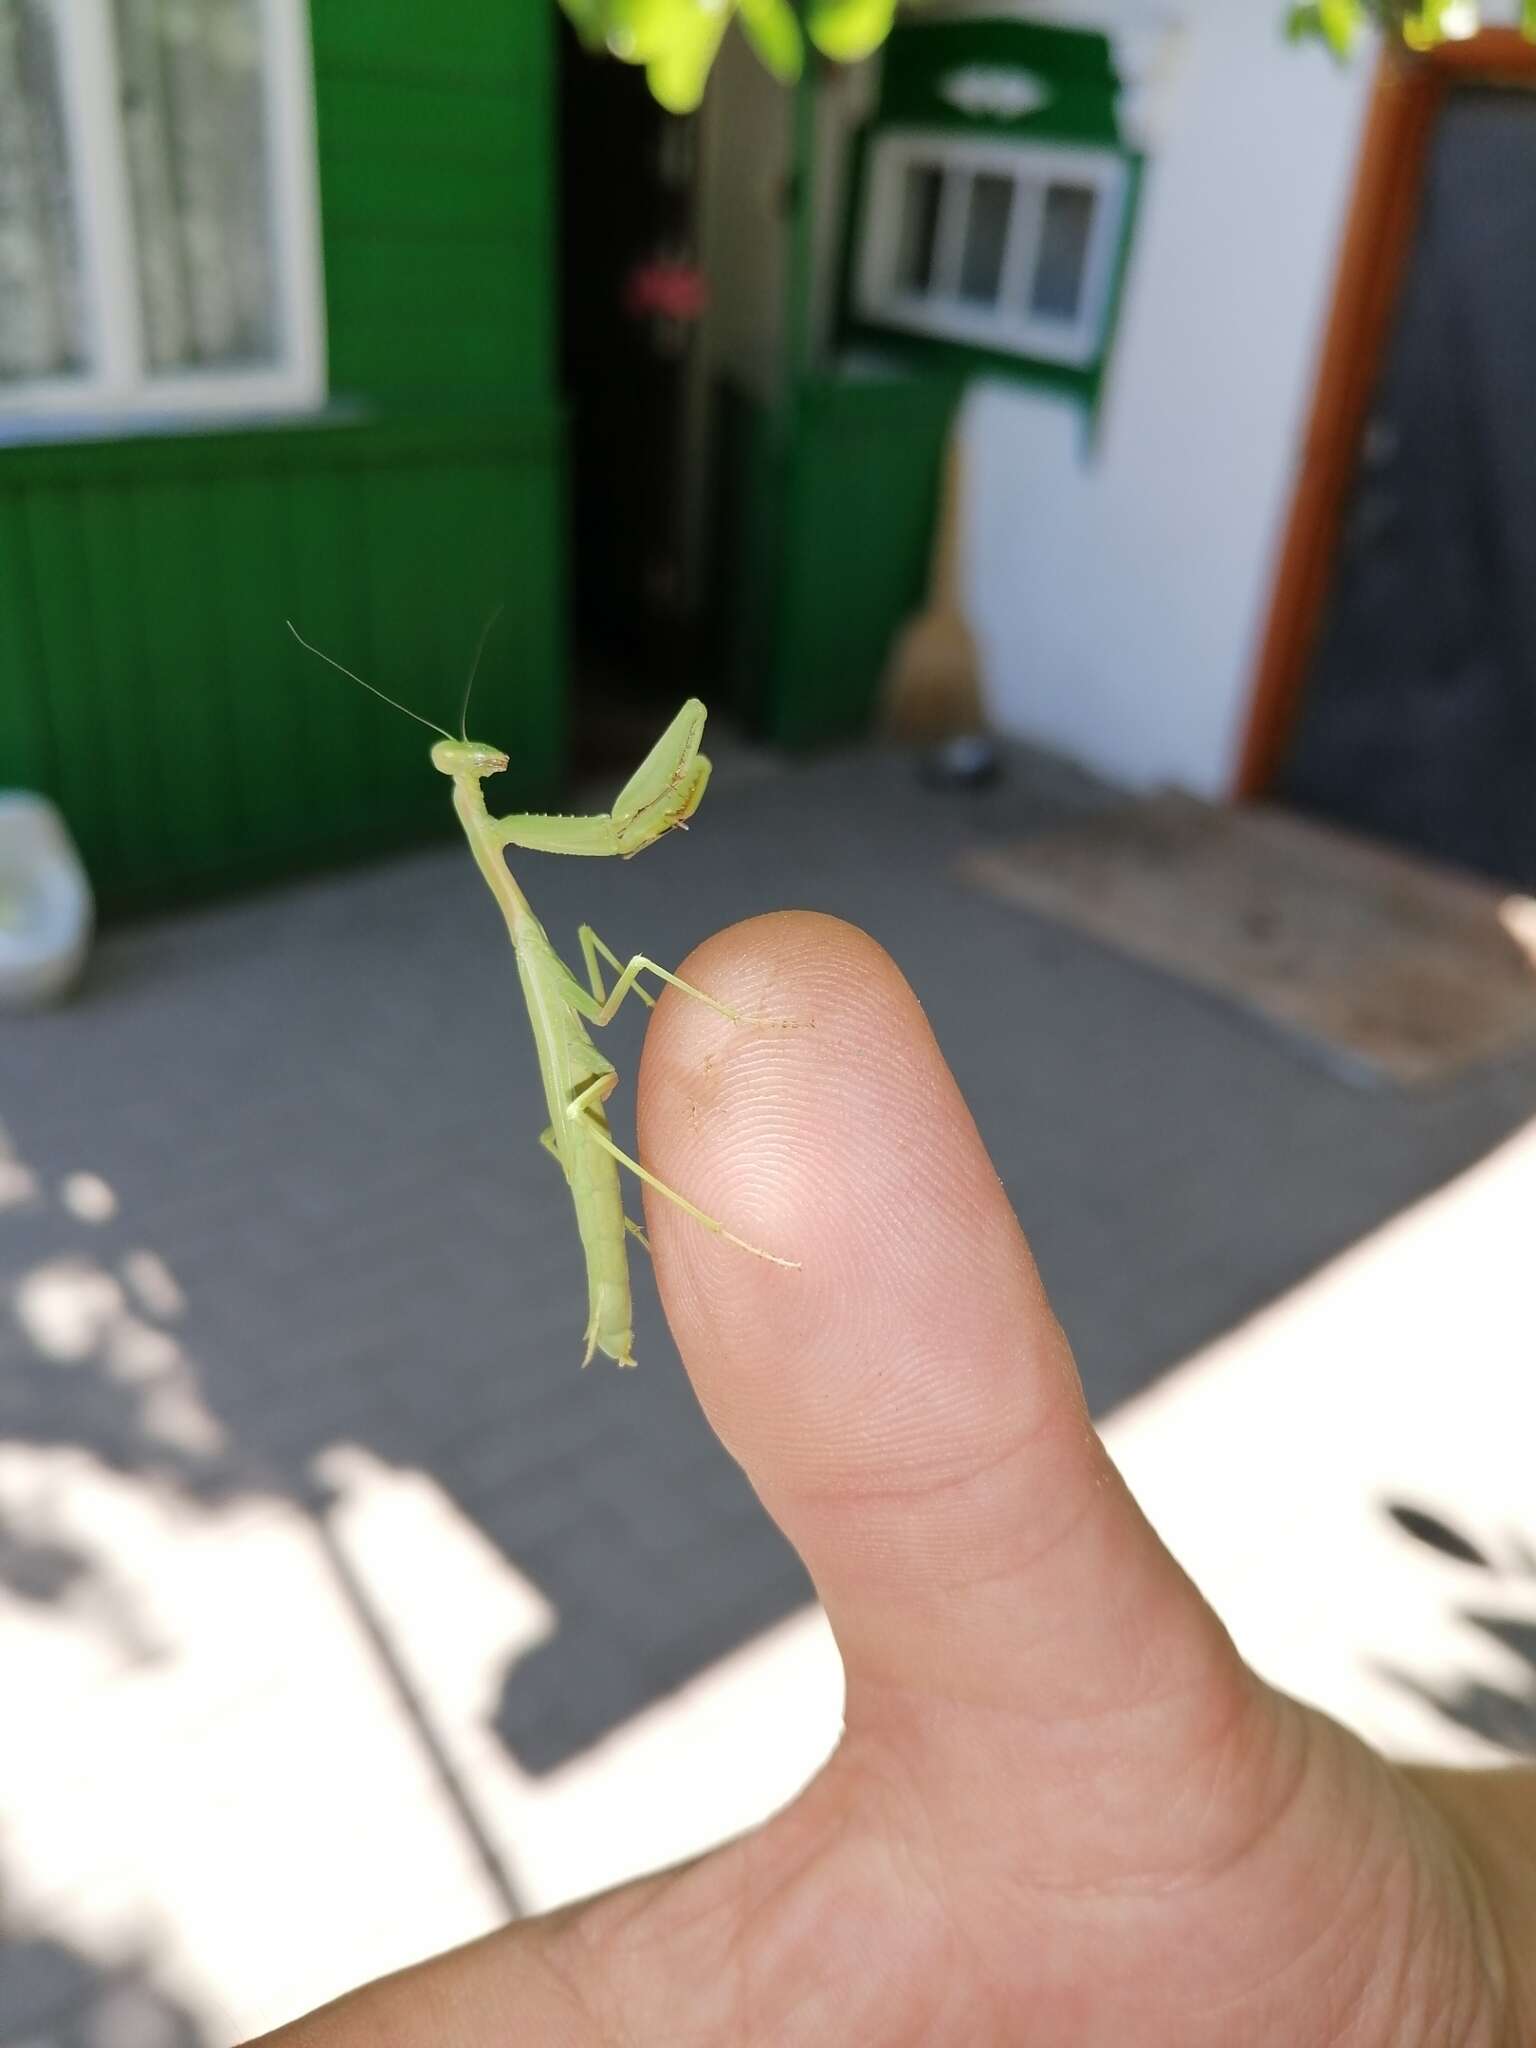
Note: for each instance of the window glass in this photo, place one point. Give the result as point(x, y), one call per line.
point(1063, 260)
point(921, 191)
point(42, 312)
point(986, 237)
point(194, 129)
point(989, 243)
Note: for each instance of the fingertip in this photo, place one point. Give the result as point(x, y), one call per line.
point(829, 1132)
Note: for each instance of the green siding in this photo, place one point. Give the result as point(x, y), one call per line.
point(834, 528)
point(26, 732)
point(153, 690)
point(466, 40)
point(146, 678)
point(436, 160)
point(1076, 65)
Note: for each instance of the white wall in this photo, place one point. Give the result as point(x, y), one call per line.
point(1119, 587)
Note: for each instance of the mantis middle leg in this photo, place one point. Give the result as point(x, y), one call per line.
point(600, 1006)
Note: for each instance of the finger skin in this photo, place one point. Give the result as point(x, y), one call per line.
point(905, 1404)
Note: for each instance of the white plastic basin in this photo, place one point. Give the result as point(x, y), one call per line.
point(46, 908)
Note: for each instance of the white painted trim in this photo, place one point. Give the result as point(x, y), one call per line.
point(1025, 226)
point(88, 80)
point(995, 92)
point(294, 162)
point(117, 384)
point(1009, 325)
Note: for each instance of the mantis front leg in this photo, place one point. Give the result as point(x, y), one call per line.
point(662, 794)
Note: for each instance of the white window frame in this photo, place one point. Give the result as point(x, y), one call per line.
point(116, 381)
point(1008, 324)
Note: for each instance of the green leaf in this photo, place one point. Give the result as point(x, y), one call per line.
point(1528, 19)
point(1335, 22)
point(1303, 22)
point(1436, 21)
point(1341, 22)
point(678, 61)
point(846, 30)
point(675, 40)
point(636, 31)
point(773, 31)
point(589, 19)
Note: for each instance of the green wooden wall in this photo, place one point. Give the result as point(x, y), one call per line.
point(151, 686)
point(828, 543)
point(437, 150)
point(147, 680)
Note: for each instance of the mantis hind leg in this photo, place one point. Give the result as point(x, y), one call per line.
point(598, 1131)
point(547, 1140)
point(599, 1006)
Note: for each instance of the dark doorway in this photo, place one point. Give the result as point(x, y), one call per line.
point(628, 319)
point(1418, 720)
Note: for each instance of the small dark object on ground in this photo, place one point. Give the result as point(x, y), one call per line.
point(970, 761)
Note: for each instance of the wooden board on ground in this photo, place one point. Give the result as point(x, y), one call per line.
point(1389, 966)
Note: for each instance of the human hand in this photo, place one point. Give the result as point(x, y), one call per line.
point(1064, 1814)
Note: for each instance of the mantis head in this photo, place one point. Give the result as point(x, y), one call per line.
point(665, 790)
point(467, 757)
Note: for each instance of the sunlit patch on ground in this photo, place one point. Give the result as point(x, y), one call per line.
point(256, 1711)
point(225, 1732)
point(1288, 1464)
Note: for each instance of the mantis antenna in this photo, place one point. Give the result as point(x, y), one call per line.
point(373, 687)
point(474, 670)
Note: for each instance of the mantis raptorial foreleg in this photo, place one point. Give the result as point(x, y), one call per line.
point(662, 794)
point(589, 1098)
point(599, 1007)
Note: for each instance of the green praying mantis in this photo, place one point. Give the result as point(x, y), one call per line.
point(661, 795)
